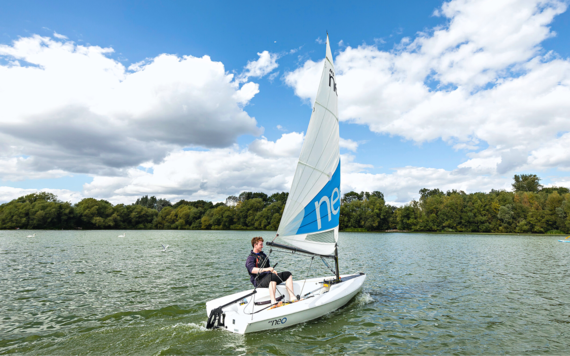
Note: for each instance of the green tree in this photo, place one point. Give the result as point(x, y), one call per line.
point(222, 217)
point(163, 220)
point(526, 183)
point(352, 196)
point(554, 213)
point(161, 204)
point(246, 212)
point(37, 211)
point(375, 216)
point(95, 214)
point(250, 195)
point(278, 197)
point(269, 217)
point(406, 217)
point(232, 200)
point(426, 193)
point(559, 190)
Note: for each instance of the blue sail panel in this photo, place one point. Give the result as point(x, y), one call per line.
point(323, 212)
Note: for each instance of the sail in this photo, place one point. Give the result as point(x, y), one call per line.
point(311, 216)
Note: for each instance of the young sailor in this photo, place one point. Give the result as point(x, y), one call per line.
point(262, 275)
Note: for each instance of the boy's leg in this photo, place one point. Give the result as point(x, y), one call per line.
point(289, 284)
point(272, 288)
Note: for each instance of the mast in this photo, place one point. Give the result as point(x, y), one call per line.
point(310, 220)
point(336, 263)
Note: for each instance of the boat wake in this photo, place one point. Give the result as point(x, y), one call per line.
point(170, 311)
point(364, 298)
point(190, 327)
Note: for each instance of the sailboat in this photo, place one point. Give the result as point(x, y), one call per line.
point(309, 226)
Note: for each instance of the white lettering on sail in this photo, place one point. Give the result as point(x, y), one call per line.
point(334, 200)
point(324, 199)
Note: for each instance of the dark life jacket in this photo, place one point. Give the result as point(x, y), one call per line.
point(259, 263)
point(259, 259)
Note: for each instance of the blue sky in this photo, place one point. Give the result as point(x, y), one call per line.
point(420, 110)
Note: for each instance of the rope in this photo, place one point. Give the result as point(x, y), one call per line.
point(326, 264)
point(312, 258)
point(305, 281)
point(292, 291)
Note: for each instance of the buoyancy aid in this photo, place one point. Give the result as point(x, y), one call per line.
point(259, 259)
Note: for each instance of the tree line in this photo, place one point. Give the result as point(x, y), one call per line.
point(529, 208)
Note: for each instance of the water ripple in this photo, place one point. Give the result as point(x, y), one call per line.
point(78, 292)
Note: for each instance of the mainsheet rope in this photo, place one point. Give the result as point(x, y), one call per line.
point(305, 281)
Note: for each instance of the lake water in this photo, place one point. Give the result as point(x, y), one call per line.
point(79, 292)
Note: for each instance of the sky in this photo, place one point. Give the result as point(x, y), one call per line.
point(202, 100)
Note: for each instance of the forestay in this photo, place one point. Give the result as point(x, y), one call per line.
point(311, 216)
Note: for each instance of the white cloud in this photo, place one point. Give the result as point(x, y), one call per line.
point(482, 78)
point(212, 174)
point(57, 35)
point(269, 167)
point(246, 93)
point(295, 50)
point(304, 80)
point(138, 66)
point(350, 166)
point(289, 145)
point(348, 144)
point(261, 67)
point(553, 154)
point(406, 182)
point(272, 76)
point(484, 164)
point(466, 146)
point(73, 108)
point(560, 182)
point(18, 168)
point(8, 193)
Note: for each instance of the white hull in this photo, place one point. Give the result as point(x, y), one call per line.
point(239, 318)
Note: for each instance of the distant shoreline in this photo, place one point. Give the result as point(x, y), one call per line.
point(266, 231)
point(542, 211)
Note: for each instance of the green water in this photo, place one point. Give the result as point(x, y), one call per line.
point(90, 292)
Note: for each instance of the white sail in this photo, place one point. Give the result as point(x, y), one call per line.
point(311, 216)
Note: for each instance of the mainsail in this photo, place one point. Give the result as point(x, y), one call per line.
point(311, 216)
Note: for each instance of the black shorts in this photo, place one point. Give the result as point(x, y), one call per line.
point(272, 277)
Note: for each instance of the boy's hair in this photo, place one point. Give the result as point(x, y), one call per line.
point(255, 240)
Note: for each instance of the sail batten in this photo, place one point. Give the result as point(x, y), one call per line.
point(311, 216)
point(308, 165)
point(324, 107)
